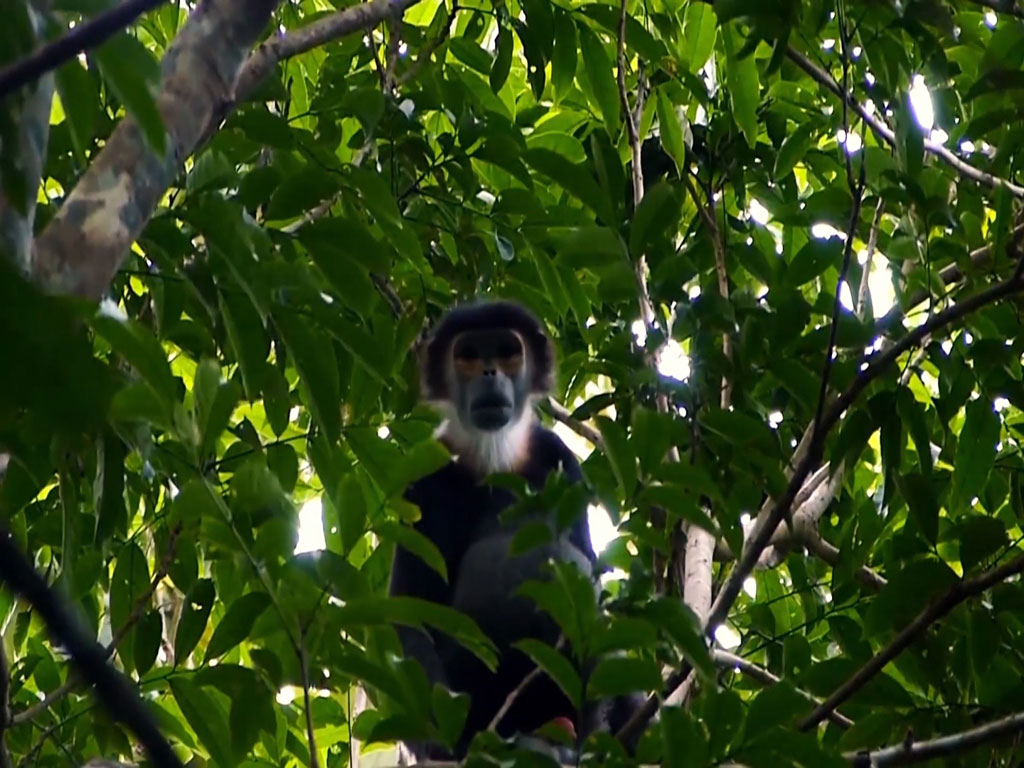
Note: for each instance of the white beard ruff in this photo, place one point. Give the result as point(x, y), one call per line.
point(500, 450)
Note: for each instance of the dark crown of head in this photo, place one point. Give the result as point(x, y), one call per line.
point(488, 314)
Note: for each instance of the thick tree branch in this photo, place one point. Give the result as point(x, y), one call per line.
point(944, 746)
point(81, 38)
point(965, 169)
point(959, 592)
point(80, 250)
point(112, 687)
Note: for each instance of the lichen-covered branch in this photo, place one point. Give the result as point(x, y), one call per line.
point(80, 250)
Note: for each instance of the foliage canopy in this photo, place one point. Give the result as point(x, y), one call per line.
point(252, 358)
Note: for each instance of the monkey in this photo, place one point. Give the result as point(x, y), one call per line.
point(484, 366)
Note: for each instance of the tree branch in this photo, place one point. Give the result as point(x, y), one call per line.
point(762, 675)
point(762, 534)
point(274, 50)
point(944, 746)
point(959, 592)
point(112, 687)
point(965, 169)
point(1002, 6)
point(81, 38)
point(138, 608)
point(80, 250)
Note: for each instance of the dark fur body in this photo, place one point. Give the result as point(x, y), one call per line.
point(462, 517)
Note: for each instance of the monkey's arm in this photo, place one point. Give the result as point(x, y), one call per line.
point(411, 577)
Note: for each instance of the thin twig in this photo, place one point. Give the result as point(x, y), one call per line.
point(428, 50)
point(138, 608)
point(511, 698)
point(960, 591)
point(762, 675)
point(965, 169)
point(865, 276)
point(314, 757)
point(82, 38)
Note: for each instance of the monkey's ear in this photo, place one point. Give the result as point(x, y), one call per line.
point(430, 359)
point(544, 364)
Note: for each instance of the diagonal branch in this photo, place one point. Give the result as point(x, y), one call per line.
point(138, 608)
point(944, 746)
point(762, 675)
point(761, 536)
point(83, 37)
point(112, 688)
point(965, 169)
point(958, 593)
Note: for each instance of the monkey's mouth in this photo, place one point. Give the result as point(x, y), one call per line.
point(491, 412)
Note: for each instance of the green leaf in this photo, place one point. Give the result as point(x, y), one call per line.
point(79, 98)
point(975, 454)
point(133, 74)
point(980, 538)
point(919, 491)
point(450, 710)
point(206, 718)
point(194, 616)
point(148, 634)
point(813, 259)
point(141, 349)
point(794, 148)
point(502, 60)
point(620, 453)
point(657, 211)
point(671, 130)
point(129, 582)
point(744, 86)
point(314, 358)
point(236, 624)
point(700, 27)
point(599, 74)
point(621, 675)
point(556, 666)
point(415, 542)
point(686, 745)
point(112, 515)
point(563, 57)
point(414, 612)
point(574, 179)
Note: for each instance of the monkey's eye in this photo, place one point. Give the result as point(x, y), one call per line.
point(467, 352)
point(510, 348)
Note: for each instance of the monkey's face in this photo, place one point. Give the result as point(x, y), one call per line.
point(491, 382)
